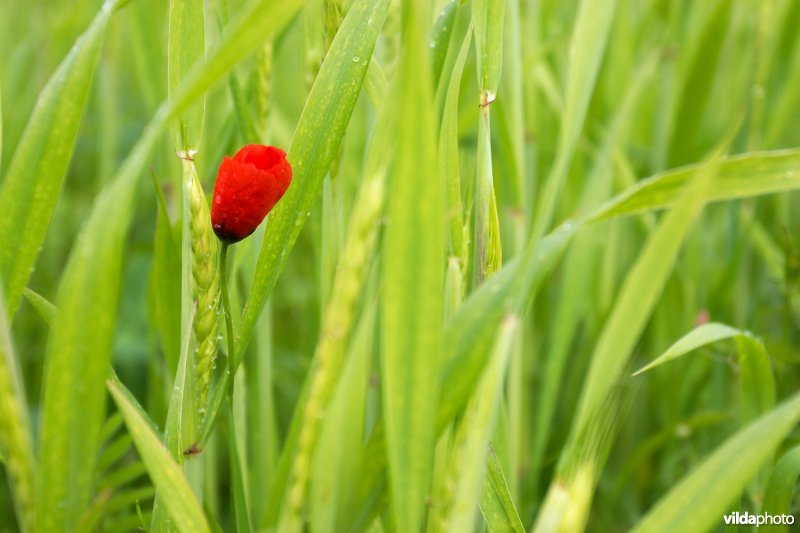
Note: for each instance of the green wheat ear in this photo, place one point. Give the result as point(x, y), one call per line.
point(206, 290)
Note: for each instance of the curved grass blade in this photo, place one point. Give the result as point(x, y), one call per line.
point(739, 176)
point(250, 27)
point(167, 476)
point(32, 184)
point(758, 382)
point(698, 337)
point(698, 502)
point(316, 142)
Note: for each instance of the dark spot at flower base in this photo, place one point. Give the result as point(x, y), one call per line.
point(226, 236)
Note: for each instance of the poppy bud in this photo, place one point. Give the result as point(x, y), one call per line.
point(248, 187)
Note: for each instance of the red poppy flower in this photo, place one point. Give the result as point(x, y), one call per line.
point(248, 187)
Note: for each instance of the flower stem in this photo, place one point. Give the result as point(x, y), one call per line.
point(226, 305)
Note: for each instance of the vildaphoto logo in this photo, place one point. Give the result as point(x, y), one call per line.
point(763, 519)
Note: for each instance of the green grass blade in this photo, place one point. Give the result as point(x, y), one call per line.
point(241, 514)
point(487, 16)
point(77, 362)
point(780, 487)
point(468, 471)
point(587, 46)
point(1, 127)
point(180, 429)
point(486, 242)
point(698, 502)
point(186, 47)
point(32, 183)
point(261, 408)
point(316, 142)
point(765, 246)
point(488, 19)
point(510, 114)
point(16, 435)
point(110, 423)
point(167, 476)
point(440, 37)
point(497, 507)
point(787, 100)
point(43, 307)
point(448, 153)
point(758, 382)
point(341, 438)
point(635, 302)
point(700, 336)
point(413, 277)
point(739, 176)
point(250, 27)
point(165, 293)
point(470, 332)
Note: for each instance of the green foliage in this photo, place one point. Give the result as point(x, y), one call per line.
point(32, 182)
point(182, 504)
point(701, 498)
point(500, 209)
